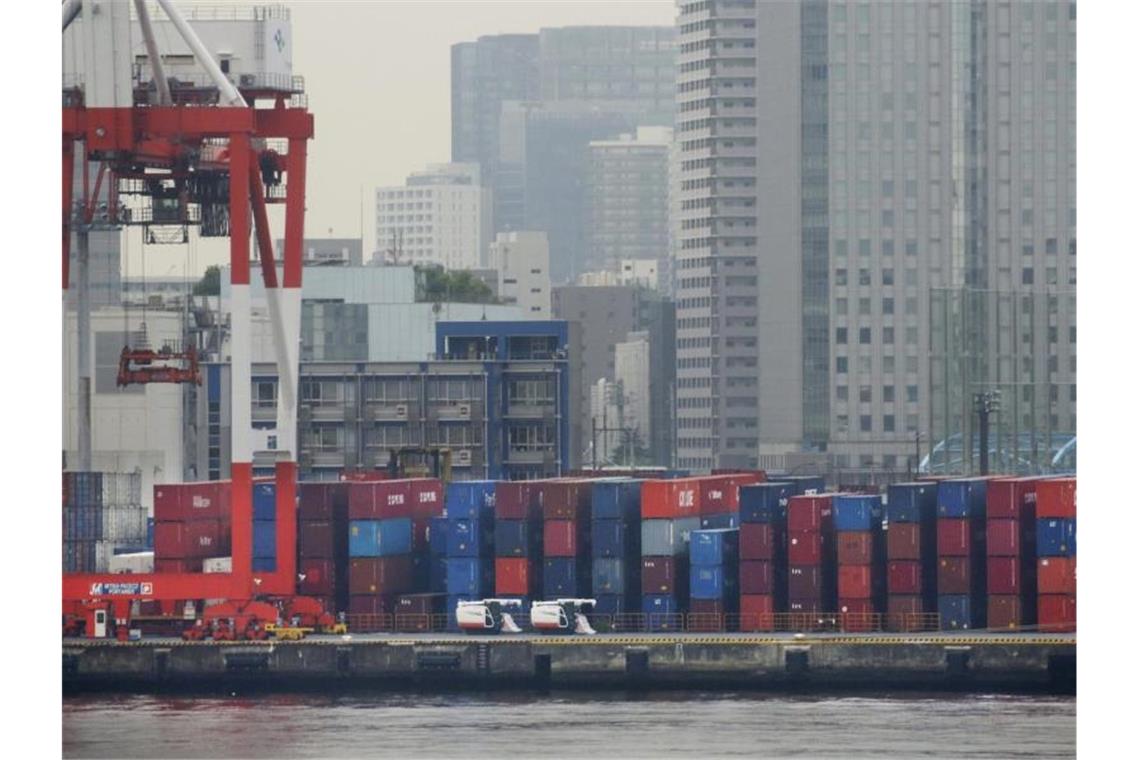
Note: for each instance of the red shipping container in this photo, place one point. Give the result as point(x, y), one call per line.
point(369, 604)
point(708, 607)
point(1003, 538)
point(904, 612)
point(953, 537)
point(512, 576)
point(853, 547)
point(717, 495)
point(855, 581)
point(904, 541)
point(805, 606)
point(320, 577)
point(513, 500)
point(756, 541)
point(756, 577)
point(858, 615)
point(565, 499)
point(202, 500)
point(560, 538)
point(862, 606)
point(315, 539)
point(1003, 611)
point(1057, 575)
point(904, 577)
point(756, 612)
point(191, 539)
point(954, 575)
point(380, 575)
point(658, 575)
point(322, 502)
point(1057, 612)
point(420, 604)
point(669, 499)
point(177, 566)
point(804, 582)
point(809, 513)
point(1057, 497)
point(805, 548)
point(1003, 575)
point(379, 500)
point(1011, 498)
point(427, 498)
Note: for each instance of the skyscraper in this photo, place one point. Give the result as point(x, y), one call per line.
point(877, 207)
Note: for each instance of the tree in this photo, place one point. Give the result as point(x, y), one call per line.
point(438, 284)
point(631, 450)
point(211, 282)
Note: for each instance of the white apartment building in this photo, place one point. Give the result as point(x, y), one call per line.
point(631, 372)
point(522, 260)
point(438, 216)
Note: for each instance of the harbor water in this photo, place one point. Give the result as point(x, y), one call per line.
point(571, 724)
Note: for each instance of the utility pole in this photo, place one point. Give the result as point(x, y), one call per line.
point(984, 404)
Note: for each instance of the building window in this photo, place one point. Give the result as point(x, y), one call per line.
point(912, 394)
point(864, 336)
point(888, 423)
point(841, 365)
point(864, 394)
point(841, 335)
point(888, 394)
point(841, 392)
point(1027, 276)
point(889, 336)
point(865, 423)
point(888, 305)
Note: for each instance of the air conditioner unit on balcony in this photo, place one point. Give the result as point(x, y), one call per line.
point(402, 412)
point(463, 411)
point(463, 457)
point(248, 80)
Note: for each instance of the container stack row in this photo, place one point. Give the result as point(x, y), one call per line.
point(264, 527)
point(1011, 556)
point(379, 545)
point(763, 553)
point(962, 553)
point(669, 513)
point(615, 511)
point(322, 543)
point(102, 514)
point(714, 575)
point(811, 554)
point(470, 509)
point(191, 524)
point(860, 550)
point(1057, 554)
point(912, 548)
point(566, 566)
point(518, 541)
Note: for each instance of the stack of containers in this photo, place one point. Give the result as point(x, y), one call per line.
point(379, 545)
point(1011, 559)
point(860, 555)
point(427, 504)
point(811, 554)
point(1057, 554)
point(961, 553)
point(322, 543)
point(264, 527)
point(191, 523)
point(670, 512)
point(719, 497)
point(565, 506)
point(714, 577)
point(470, 509)
point(763, 553)
point(437, 555)
point(615, 510)
point(518, 541)
point(102, 512)
point(912, 550)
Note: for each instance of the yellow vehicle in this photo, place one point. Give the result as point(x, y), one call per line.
point(287, 632)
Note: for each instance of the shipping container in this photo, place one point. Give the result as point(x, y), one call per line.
point(264, 564)
point(1003, 575)
point(514, 576)
point(756, 612)
point(1004, 611)
point(616, 500)
point(855, 547)
point(756, 577)
point(904, 577)
point(955, 537)
point(717, 494)
point(380, 575)
point(757, 541)
point(1003, 538)
point(1056, 537)
point(764, 502)
point(427, 498)
point(720, 521)
point(378, 500)
point(203, 500)
point(1057, 575)
point(512, 538)
point(805, 547)
point(904, 540)
point(322, 502)
point(609, 576)
point(369, 604)
point(514, 500)
point(810, 513)
point(316, 539)
point(854, 582)
point(565, 499)
point(900, 606)
point(473, 576)
point(665, 575)
point(669, 499)
point(660, 538)
point(563, 577)
point(560, 538)
point(437, 575)
point(1011, 498)
point(192, 539)
point(714, 547)
point(379, 538)
point(852, 513)
point(176, 566)
point(265, 501)
point(612, 538)
point(437, 536)
point(858, 615)
point(661, 611)
point(713, 582)
point(963, 498)
point(133, 563)
point(319, 577)
point(1057, 613)
point(806, 606)
point(911, 502)
point(800, 484)
point(264, 539)
point(709, 611)
point(470, 538)
point(470, 500)
point(955, 576)
point(611, 604)
point(805, 582)
point(1057, 498)
point(957, 612)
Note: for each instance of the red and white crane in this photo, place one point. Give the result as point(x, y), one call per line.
point(213, 159)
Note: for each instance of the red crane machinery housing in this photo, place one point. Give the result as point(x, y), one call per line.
point(217, 161)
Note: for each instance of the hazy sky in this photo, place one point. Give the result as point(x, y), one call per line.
point(378, 77)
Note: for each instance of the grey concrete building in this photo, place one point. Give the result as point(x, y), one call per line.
point(627, 201)
point(894, 184)
point(327, 251)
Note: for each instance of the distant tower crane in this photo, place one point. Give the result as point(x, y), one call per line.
point(191, 161)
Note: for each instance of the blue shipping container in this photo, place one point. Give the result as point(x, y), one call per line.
point(765, 502)
point(264, 564)
point(472, 576)
point(857, 511)
point(661, 612)
point(609, 576)
point(610, 538)
point(470, 499)
point(559, 577)
point(1056, 537)
point(264, 539)
point(512, 538)
point(437, 536)
point(469, 538)
point(800, 484)
point(264, 501)
point(961, 498)
point(437, 575)
point(714, 547)
point(955, 611)
point(379, 538)
point(616, 500)
point(711, 582)
point(608, 604)
point(720, 522)
point(912, 502)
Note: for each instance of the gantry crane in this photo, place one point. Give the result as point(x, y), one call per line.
point(199, 163)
